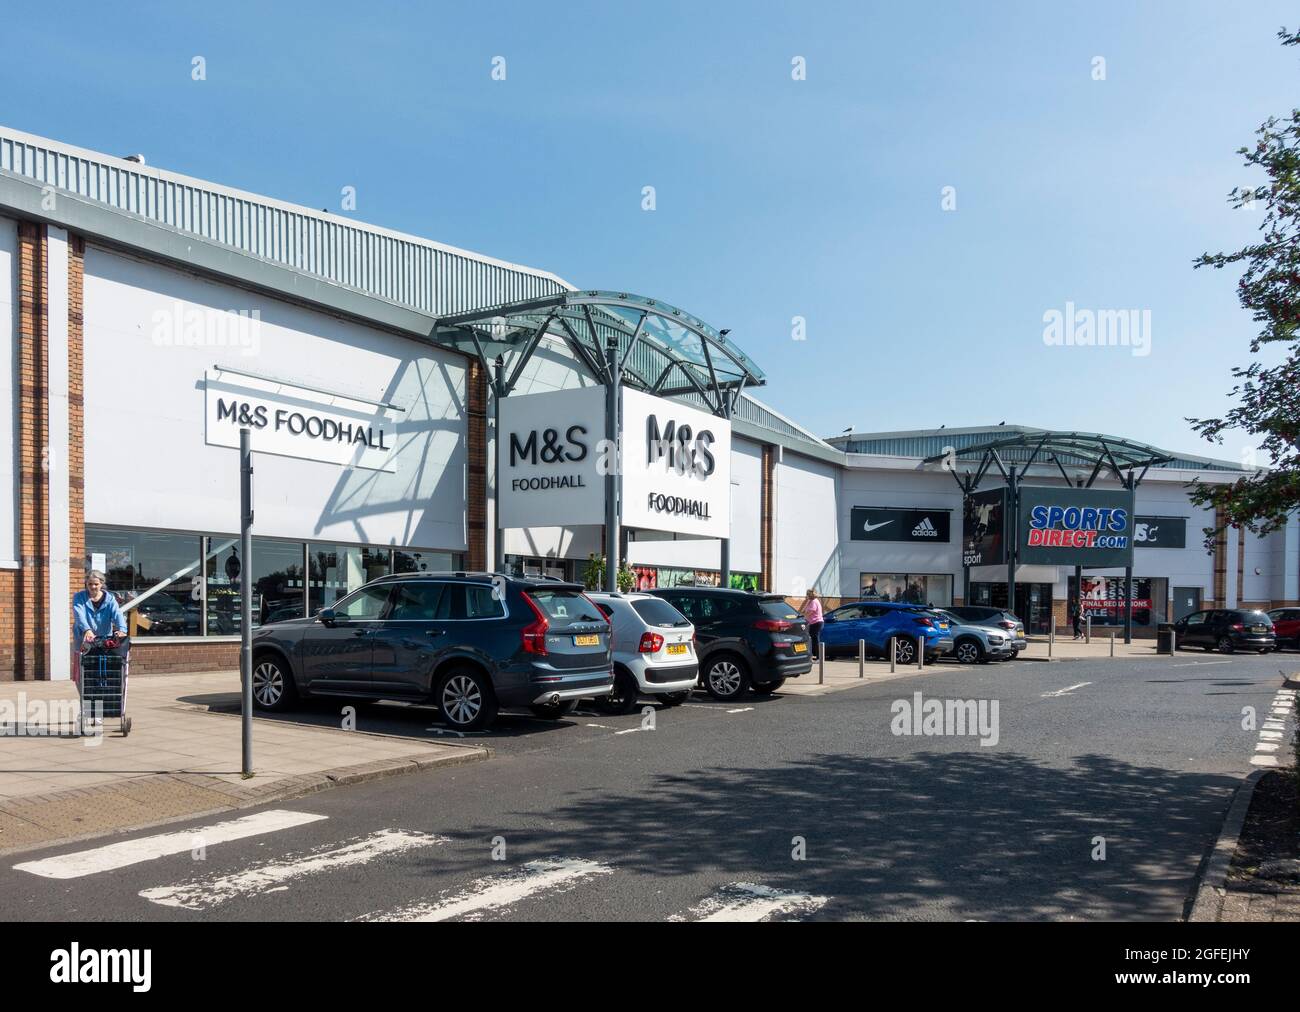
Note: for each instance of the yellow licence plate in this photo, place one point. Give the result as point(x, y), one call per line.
point(677, 648)
point(801, 648)
point(592, 640)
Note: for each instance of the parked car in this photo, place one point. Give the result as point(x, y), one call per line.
point(654, 651)
point(1286, 627)
point(978, 644)
point(876, 622)
point(470, 643)
point(975, 614)
point(744, 639)
point(1226, 630)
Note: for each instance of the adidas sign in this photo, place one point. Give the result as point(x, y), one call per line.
point(925, 529)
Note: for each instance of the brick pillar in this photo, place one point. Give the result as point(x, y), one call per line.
point(767, 519)
point(76, 413)
point(29, 601)
point(476, 467)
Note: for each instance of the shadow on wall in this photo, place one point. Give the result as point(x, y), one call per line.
point(883, 839)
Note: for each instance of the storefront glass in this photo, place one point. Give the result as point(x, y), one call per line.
point(1033, 602)
point(415, 561)
point(912, 588)
point(336, 570)
point(160, 570)
point(1103, 599)
point(278, 590)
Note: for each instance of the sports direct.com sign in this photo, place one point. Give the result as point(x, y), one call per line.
point(1076, 527)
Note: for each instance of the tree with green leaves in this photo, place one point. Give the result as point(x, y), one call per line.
point(1267, 396)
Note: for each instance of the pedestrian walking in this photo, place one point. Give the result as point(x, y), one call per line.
point(812, 613)
point(1076, 617)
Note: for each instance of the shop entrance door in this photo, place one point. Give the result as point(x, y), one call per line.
point(1186, 601)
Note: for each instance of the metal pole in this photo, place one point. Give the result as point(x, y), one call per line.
point(246, 595)
point(725, 563)
point(1087, 630)
point(1012, 538)
point(920, 653)
point(498, 532)
point(893, 655)
point(612, 482)
point(1051, 635)
point(1112, 642)
point(1128, 575)
point(821, 663)
point(862, 658)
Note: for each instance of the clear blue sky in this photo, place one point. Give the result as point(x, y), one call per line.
point(775, 198)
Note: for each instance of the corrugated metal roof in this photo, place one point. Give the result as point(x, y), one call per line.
point(406, 269)
point(924, 443)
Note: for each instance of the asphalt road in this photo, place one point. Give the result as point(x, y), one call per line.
point(598, 818)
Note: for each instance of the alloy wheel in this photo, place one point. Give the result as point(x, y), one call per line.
point(905, 651)
point(725, 678)
point(268, 683)
point(462, 699)
point(967, 653)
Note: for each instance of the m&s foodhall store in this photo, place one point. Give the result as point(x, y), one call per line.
point(146, 316)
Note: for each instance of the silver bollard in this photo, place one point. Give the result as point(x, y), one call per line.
point(821, 663)
point(893, 655)
point(1087, 629)
point(1051, 636)
point(862, 658)
point(1112, 642)
point(920, 653)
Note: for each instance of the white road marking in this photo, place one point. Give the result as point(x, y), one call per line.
point(150, 848)
point(499, 891)
point(605, 726)
point(1263, 760)
point(1266, 746)
point(630, 730)
point(1274, 725)
point(271, 876)
point(1271, 735)
point(749, 901)
point(1197, 664)
point(743, 709)
point(1065, 691)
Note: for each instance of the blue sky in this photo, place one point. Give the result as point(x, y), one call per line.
point(775, 198)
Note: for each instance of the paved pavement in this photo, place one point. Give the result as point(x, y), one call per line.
point(1105, 789)
point(179, 759)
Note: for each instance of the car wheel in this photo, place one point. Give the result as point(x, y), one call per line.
point(465, 700)
point(968, 652)
point(673, 698)
point(622, 698)
point(764, 688)
point(1224, 645)
point(905, 650)
point(273, 686)
point(726, 678)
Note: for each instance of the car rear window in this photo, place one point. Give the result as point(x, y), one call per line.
point(655, 612)
point(1255, 617)
point(566, 606)
point(776, 608)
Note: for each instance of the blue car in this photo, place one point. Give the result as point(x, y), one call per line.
point(876, 621)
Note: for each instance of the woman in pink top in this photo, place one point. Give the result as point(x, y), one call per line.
point(812, 611)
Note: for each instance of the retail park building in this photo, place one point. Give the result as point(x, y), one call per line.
point(146, 316)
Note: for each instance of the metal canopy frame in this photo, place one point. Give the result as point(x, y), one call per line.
point(619, 338)
point(659, 348)
point(1121, 457)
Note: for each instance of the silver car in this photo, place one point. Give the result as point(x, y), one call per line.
point(654, 651)
point(978, 644)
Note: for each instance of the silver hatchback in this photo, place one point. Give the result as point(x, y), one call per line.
point(654, 651)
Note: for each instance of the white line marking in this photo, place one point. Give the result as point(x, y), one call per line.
point(605, 726)
point(1265, 746)
point(749, 901)
point(743, 709)
point(150, 848)
point(630, 730)
point(1274, 725)
point(1197, 664)
point(1062, 692)
point(1263, 760)
point(271, 876)
point(1271, 735)
point(498, 891)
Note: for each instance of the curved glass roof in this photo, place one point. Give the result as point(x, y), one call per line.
point(1062, 449)
point(663, 350)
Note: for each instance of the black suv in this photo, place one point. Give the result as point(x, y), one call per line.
point(468, 642)
point(745, 640)
point(1226, 630)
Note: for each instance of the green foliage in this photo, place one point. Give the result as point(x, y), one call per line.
point(593, 576)
point(1268, 398)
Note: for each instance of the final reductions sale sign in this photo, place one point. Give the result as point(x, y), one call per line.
point(1075, 527)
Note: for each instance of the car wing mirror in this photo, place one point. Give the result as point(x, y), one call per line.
point(327, 616)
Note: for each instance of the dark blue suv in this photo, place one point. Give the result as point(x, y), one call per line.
point(468, 642)
point(876, 621)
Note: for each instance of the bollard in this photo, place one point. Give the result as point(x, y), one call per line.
point(920, 653)
point(893, 655)
point(862, 658)
point(1087, 629)
point(821, 663)
point(1051, 636)
point(1112, 642)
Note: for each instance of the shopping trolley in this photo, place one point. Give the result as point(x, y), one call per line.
point(105, 664)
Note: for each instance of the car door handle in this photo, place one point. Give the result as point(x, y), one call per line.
point(434, 632)
point(361, 632)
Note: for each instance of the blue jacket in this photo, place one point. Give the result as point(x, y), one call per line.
point(102, 621)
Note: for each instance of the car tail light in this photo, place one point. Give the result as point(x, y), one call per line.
point(921, 620)
point(773, 625)
point(1236, 627)
point(533, 635)
point(1007, 625)
point(651, 643)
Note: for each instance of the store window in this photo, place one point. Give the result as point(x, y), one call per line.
point(279, 591)
point(156, 576)
point(419, 561)
point(336, 570)
point(910, 588)
point(1103, 599)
